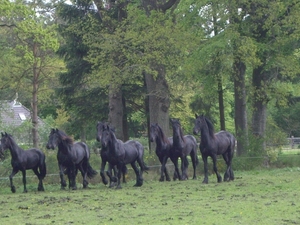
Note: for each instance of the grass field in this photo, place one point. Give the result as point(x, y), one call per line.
point(255, 197)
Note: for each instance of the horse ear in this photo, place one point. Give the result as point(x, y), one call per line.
point(2, 134)
point(5, 134)
point(196, 115)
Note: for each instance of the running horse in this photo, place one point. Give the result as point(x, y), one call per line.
point(163, 148)
point(213, 144)
point(121, 153)
point(24, 160)
point(183, 145)
point(104, 154)
point(71, 156)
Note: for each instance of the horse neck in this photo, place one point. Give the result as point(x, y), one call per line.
point(205, 134)
point(178, 138)
point(161, 141)
point(113, 143)
point(65, 147)
point(14, 149)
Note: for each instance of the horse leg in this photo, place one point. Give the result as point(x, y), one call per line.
point(83, 172)
point(61, 175)
point(194, 161)
point(124, 172)
point(40, 185)
point(227, 172)
point(164, 170)
point(214, 158)
point(73, 173)
point(231, 174)
point(176, 173)
point(24, 180)
point(139, 176)
point(13, 173)
point(184, 167)
point(119, 167)
point(205, 180)
point(103, 163)
point(183, 176)
point(112, 179)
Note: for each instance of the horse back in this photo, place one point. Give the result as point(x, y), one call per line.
point(226, 141)
point(32, 158)
point(82, 150)
point(133, 149)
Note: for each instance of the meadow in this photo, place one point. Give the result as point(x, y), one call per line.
point(264, 196)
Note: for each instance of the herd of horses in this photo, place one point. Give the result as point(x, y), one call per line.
point(73, 156)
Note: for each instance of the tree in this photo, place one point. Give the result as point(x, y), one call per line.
point(274, 25)
point(35, 44)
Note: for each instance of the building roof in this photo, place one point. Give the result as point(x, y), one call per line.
point(14, 113)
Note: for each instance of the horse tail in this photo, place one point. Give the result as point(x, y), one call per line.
point(90, 171)
point(43, 169)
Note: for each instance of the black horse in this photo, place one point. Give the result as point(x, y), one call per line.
point(183, 145)
point(213, 144)
point(163, 148)
point(120, 154)
point(104, 154)
point(71, 157)
point(24, 160)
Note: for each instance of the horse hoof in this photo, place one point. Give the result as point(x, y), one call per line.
point(205, 182)
point(13, 189)
point(105, 182)
point(119, 187)
point(41, 189)
point(161, 179)
point(25, 191)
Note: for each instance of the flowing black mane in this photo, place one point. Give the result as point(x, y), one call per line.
point(162, 135)
point(210, 126)
point(64, 137)
point(177, 123)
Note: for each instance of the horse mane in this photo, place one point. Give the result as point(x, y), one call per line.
point(10, 138)
point(180, 130)
point(162, 134)
point(210, 126)
point(69, 140)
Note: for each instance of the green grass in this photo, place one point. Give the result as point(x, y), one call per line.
point(255, 197)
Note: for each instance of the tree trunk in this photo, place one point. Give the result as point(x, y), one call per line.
point(259, 117)
point(159, 100)
point(241, 127)
point(125, 122)
point(221, 103)
point(34, 116)
point(115, 117)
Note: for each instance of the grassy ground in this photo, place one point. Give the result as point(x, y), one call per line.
point(255, 197)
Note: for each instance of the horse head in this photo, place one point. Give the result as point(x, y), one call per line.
point(53, 139)
point(197, 125)
point(99, 128)
point(201, 122)
point(5, 141)
point(153, 131)
point(106, 134)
